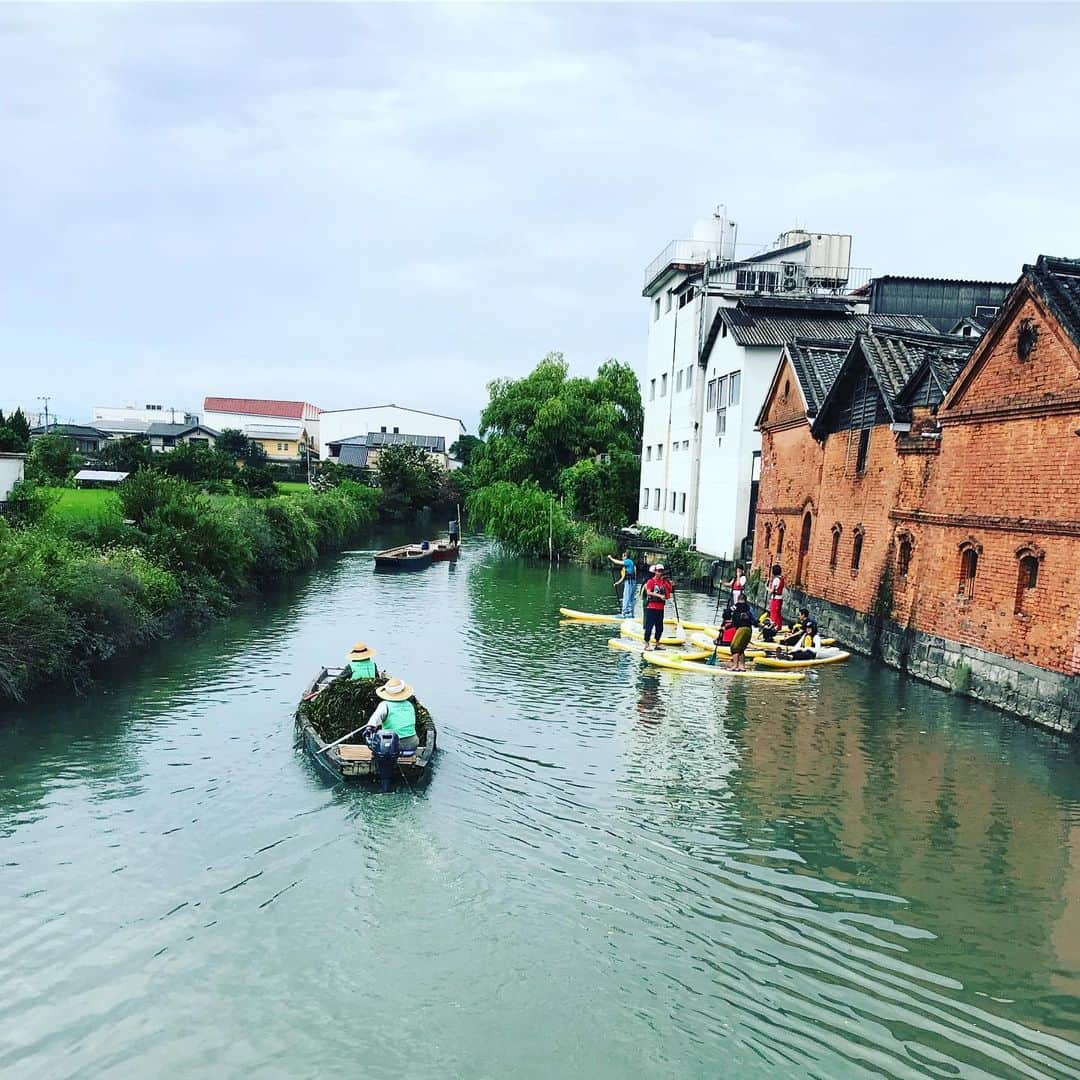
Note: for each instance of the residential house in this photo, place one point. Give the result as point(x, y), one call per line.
point(260, 414)
point(926, 497)
point(131, 420)
point(11, 472)
point(362, 451)
point(718, 323)
point(339, 425)
point(164, 437)
point(85, 439)
point(283, 444)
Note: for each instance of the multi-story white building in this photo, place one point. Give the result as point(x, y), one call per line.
point(281, 427)
point(123, 420)
point(718, 321)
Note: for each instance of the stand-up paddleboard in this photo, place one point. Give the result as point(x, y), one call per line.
point(674, 663)
point(634, 630)
point(824, 656)
point(588, 616)
point(623, 645)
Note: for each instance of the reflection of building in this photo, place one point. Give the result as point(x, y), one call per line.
point(935, 481)
point(342, 426)
point(717, 323)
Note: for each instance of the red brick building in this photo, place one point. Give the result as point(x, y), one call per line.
point(925, 491)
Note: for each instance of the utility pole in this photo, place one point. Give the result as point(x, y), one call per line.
point(46, 399)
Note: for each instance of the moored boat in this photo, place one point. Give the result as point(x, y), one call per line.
point(406, 557)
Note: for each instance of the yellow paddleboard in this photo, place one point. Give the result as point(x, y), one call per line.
point(635, 631)
point(596, 617)
point(637, 647)
point(784, 665)
point(704, 641)
point(674, 663)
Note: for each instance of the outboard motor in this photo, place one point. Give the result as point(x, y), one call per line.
point(385, 749)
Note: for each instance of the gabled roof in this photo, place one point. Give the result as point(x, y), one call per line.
point(75, 431)
point(979, 323)
point(286, 410)
point(1057, 282)
point(166, 430)
point(816, 364)
point(778, 323)
point(895, 359)
point(403, 408)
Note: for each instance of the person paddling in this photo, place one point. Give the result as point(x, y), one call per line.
point(742, 619)
point(737, 585)
point(806, 631)
point(628, 580)
point(657, 591)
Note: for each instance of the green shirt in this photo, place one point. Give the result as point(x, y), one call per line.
point(363, 669)
point(400, 718)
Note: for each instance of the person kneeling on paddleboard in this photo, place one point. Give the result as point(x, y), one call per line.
point(657, 591)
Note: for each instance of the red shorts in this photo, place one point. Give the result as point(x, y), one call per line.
point(774, 612)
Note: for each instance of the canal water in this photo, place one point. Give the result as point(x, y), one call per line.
point(613, 872)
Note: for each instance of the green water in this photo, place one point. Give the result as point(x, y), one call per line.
point(613, 872)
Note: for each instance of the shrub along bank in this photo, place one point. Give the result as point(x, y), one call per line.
point(75, 592)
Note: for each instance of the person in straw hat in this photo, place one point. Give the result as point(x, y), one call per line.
point(361, 664)
point(396, 712)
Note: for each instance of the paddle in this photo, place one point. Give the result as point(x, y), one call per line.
point(678, 618)
point(330, 746)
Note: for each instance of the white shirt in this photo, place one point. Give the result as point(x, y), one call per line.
point(738, 586)
point(378, 717)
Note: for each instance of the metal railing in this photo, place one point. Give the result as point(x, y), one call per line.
point(687, 252)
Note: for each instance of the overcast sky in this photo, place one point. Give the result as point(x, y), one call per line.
point(362, 204)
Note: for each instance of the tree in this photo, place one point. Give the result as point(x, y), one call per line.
point(463, 449)
point(51, 460)
point(126, 455)
point(192, 462)
point(255, 481)
point(409, 480)
point(525, 518)
point(603, 491)
point(14, 433)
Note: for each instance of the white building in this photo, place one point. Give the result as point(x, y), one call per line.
point(340, 425)
point(11, 472)
point(718, 321)
point(265, 419)
point(123, 420)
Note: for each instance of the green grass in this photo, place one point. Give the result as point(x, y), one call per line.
point(291, 487)
point(79, 505)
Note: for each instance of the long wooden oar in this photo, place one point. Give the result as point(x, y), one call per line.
point(337, 742)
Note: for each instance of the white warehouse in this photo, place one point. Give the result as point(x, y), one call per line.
point(717, 324)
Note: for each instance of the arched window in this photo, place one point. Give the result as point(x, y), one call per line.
point(1027, 577)
point(768, 537)
point(856, 548)
point(969, 569)
point(903, 555)
point(834, 553)
point(780, 530)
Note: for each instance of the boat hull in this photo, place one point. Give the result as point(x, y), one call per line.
point(409, 557)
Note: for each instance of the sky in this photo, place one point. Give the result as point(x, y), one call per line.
point(361, 204)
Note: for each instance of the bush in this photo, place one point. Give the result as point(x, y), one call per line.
point(51, 460)
point(594, 549)
point(256, 481)
point(524, 518)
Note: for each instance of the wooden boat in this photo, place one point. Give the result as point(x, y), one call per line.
point(445, 550)
point(407, 557)
point(352, 760)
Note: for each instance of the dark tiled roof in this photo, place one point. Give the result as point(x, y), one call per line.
point(816, 363)
point(777, 325)
point(75, 431)
point(353, 454)
point(979, 323)
point(1057, 281)
point(165, 430)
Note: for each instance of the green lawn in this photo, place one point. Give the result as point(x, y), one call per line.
point(79, 505)
point(291, 487)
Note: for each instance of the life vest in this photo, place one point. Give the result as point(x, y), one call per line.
point(362, 669)
point(779, 593)
point(400, 718)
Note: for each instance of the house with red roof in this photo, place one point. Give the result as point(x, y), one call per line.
point(282, 428)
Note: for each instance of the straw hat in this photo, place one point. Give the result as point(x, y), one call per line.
point(394, 690)
point(360, 651)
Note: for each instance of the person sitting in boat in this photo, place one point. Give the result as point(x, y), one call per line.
point(806, 631)
point(768, 627)
point(396, 712)
point(361, 664)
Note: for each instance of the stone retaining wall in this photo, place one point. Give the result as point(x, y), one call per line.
point(1032, 693)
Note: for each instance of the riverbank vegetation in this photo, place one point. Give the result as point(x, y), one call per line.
point(77, 589)
point(558, 471)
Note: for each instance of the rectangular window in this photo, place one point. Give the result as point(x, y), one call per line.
point(652, 389)
point(686, 444)
point(721, 391)
point(656, 498)
point(645, 498)
point(663, 386)
point(659, 451)
point(735, 379)
point(648, 453)
point(656, 309)
point(383, 429)
point(689, 376)
point(668, 308)
point(710, 395)
point(673, 502)
point(721, 421)
point(686, 297)
point(864, 447)
point(682, 504)
point(397, 431)
point(678, 381)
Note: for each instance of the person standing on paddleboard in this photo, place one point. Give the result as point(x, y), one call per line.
point(628, 580)
point(742, 619)
point(737, 585)
point(657, 591)
point(776, 596)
